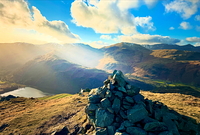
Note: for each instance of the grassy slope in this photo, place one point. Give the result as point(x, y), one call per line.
point(48, 114)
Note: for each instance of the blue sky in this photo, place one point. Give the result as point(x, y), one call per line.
point(101, 22)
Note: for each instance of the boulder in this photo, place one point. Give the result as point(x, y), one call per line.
point(155, 126)
point(136, 131)
point(103, 118)
point(137, 113)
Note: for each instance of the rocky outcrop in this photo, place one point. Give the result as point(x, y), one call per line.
point(117, 108)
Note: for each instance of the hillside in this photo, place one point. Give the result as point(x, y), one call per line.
point(188, 47)
point(176, 54)
point(53, 74)
point(50, 114)
point(160, 64)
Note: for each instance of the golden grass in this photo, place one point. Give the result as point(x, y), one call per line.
point(24, 115)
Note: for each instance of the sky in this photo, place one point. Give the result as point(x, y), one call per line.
point(100, 22)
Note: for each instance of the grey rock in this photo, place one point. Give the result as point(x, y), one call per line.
point(118, 133)
point(93, 91)
point(122, 114)
point(94, 99)
point(127, 107)
point(126, 103)
point(101, 92)
point(121, 128)
point(137, 113)
point(108, 94)
point(135, 131)
point(155, 126)
point(110, 110)
point(171, 125)
point(103, 118)
point(166, 133)
point(133, 91)
point(119, 119)
point(122, 89)
point(106, 82)
point(171, 116)
point(138, 98)
point(101, 131)
point(148, 120)
point(111, 130)
point(149, 106)
point(128, 86)
point(129, 99)
point(119, 94)
point(105, 103)
point(91, 108)
point(127, 123)
point(116, 105)
point(119, 78)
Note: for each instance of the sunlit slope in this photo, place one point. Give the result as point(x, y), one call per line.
point(139, 61)
point(176, 54)
point(53, 74)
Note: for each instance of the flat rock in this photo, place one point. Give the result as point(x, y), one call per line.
point(105, 103)
point(94, 99)
point(136, 131)
point(116, 105)
point(155, 126)
point(137, 113)
point(103, 118)
point(129, 99)
point(111, 130)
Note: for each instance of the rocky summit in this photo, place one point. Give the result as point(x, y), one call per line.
point(117, 108)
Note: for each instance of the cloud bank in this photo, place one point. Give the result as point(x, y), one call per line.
point(22, 24)
point(186, 8)
point(109, 16)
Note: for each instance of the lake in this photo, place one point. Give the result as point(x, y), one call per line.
point(26, 92)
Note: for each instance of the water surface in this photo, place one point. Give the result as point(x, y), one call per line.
point(26, 92)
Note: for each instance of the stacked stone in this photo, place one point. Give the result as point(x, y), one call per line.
point(117, 108)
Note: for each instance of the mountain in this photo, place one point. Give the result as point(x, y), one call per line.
point(139, 61)
point(188, 47)
point(50, 72)
point(176, 54)
point(124, 56)
point(13, 55)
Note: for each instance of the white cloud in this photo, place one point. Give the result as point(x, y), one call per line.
point(197, 17)
point(193, 39)
point(145, 22)
point(106, 37)
point(109, 16)
point(22, 23)
point(185, 25)
point(186, 8)
point(150, 3)
point(97, 44)
point(148, 39)
point(171, 28)
point(197, 44)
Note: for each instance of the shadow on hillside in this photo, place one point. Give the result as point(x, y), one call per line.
point(177, 89)
point(141, 85)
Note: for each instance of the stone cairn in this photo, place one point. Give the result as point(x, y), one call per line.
point(117, 108)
